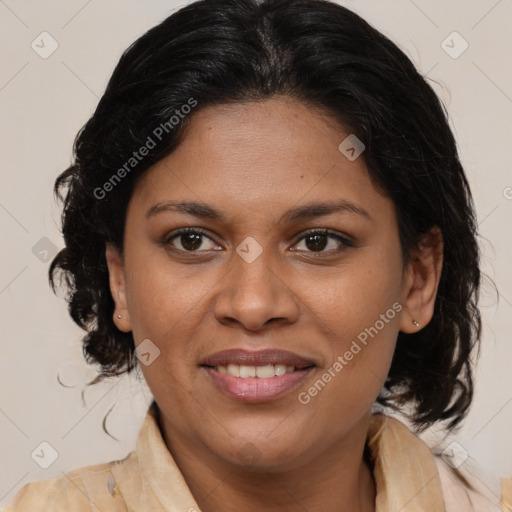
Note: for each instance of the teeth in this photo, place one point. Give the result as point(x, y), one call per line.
point(263, 372)
point(233, 369)
point(280, 369)
point(247, 371)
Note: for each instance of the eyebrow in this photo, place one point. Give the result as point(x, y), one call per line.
point(309, 210)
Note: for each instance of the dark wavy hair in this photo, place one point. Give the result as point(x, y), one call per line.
point(315, 51)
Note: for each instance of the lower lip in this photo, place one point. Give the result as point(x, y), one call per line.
point(254, 389)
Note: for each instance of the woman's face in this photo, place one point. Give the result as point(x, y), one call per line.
point(256, 283)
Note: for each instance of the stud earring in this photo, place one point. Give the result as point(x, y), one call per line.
point(118, 316)
point(416, 323)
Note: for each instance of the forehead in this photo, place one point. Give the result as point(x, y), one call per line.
point(259, 157)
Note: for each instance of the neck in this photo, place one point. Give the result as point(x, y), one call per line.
point(336, 479)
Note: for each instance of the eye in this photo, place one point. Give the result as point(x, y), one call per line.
point(317, 240)
point(190, 239)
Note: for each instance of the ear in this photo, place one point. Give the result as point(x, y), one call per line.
point(118, 287)
point(421, 282)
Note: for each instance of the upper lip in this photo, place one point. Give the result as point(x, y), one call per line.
point(256, 358)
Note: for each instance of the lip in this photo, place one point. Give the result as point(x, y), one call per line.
point(254, 389)
point(256, 358)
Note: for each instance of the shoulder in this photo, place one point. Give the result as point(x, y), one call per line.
point(458, 496)
point(82, 489)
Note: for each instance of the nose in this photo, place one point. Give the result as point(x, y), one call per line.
point(255, 294)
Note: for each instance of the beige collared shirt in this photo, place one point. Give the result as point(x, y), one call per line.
point(408, 479)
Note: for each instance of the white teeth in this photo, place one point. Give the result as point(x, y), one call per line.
point(247, 371)
point(263, 372)
point(280, 369)
point(234, 370)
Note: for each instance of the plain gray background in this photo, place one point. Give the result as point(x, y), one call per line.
point(45, 101)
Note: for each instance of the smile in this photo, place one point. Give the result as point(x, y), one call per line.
point(256, 375)
point(261, 372)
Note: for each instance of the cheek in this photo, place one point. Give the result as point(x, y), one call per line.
point(168, 304)
point(165, 307)
point(356, 296)
point(361, 354)
point(164, 298)
point(359, 310)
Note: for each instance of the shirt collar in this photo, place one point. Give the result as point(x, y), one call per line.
point(404, 470)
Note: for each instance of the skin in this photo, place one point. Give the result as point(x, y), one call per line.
point(254, 162)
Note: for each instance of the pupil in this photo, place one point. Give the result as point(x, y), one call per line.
point(193, 245)
point(191, 241)
point(317, 244)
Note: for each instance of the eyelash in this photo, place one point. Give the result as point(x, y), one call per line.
point(345, 242)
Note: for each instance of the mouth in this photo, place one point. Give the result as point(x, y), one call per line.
point(257, 376)
point(261, 372)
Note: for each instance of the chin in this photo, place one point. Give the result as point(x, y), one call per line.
point(262, 455)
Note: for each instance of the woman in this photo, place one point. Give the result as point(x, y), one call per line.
point(268, 212)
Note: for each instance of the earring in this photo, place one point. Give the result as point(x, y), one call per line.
point(118, 316)
point(415, 323)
